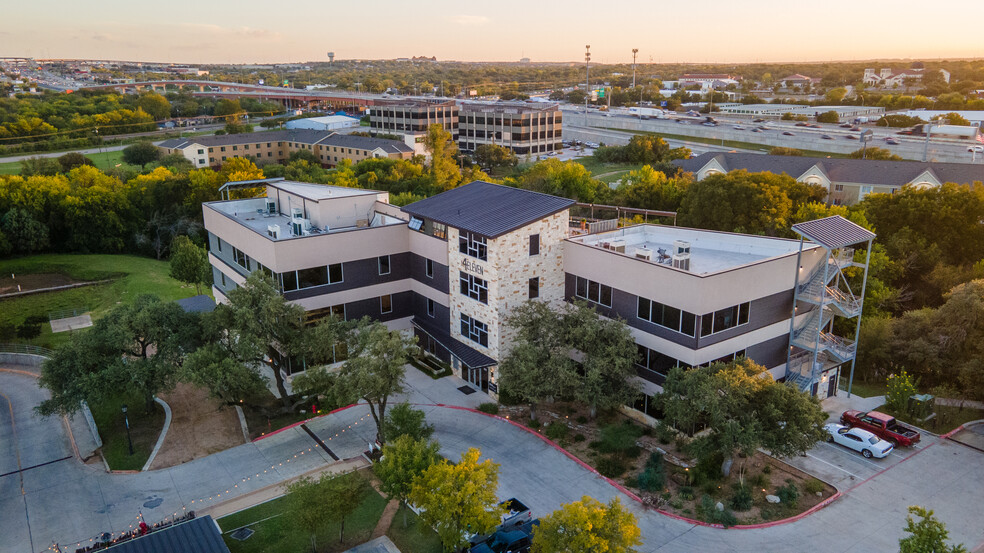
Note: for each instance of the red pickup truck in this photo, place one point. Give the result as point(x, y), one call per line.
point(882, 425)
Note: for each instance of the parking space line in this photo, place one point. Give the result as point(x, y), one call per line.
point(833, 465)
point(853, 456)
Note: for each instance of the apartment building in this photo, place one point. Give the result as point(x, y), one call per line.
point(847, 181)
point(277, 146)
point(451, 268)
point(523, 128)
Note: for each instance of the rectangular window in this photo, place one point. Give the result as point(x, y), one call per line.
point(645, 309)
point(473, 287)
point(474, 330)
point(240, 258)
point(221, 274)
point(534, 244)
point(386, 304)
point(218, 241)
point(430, 307)
point(724, 319)
point(429, 268)
point(473, 245)
point(534, 288)
point(593, 291)
point(289, 281)
point(315, 276)
point(581, 287)
point(440, 230)
point(384, 264)
point(335, 273)
point(667, 316)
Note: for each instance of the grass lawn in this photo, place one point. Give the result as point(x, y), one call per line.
point(864, 389)
point(279, 534)
point(417, 537)
point(132, 276)
point(608, 170)
point(103, 160)
point(731, 143)
point(144, 430)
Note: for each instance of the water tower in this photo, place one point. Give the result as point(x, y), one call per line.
point(331, 58)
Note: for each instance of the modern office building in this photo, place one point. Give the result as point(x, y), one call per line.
point(523, 128)
point(451, 268)
point(847, 181)
point(277, 146)
point(412, 118)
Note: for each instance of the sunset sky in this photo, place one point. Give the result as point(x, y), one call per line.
point(303, 30)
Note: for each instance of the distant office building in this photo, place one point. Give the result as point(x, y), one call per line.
point(326, 123)
point(277, 146)
point(523, 128)
point(847, 181)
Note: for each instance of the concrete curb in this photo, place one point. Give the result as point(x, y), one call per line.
point(160, 439)
point(242, 423)
point(28, 359)
point(959, 428)
point(55, 288)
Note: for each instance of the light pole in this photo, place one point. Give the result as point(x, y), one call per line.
point(634, 52)
point(587, 80)
point(929, 131)
point(126, 420)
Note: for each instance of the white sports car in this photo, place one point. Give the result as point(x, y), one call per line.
point(859, 440)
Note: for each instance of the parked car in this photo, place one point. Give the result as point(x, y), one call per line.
point(859, 440)
point(978, 149)
point(882, 425)
point(787, 133)
point(516, 514)
point(516, 539)
point(826, 137)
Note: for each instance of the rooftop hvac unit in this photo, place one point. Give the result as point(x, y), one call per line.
point(271, 207)
point(273, 231)
point(299, 227)
point(618, 245)
point(681, 261)
point(681, 246)
point(644, 253)
point(296, 213)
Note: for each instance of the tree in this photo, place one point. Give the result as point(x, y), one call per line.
point(141, 153)
point(403, 460)
point(189, 263)
point(443, 167)
point(953, 118)
point(136, 347)
point(539, 365)
point(155, 105)
point(232, 127)
point(228, 108)
point(71, 160)
point(493, 156)
point(312, 505)
point(568, 179)
point(404, 420)
point(784, 151)
point(24, 233)
point(587, 525)
point(343, 492)
point(874, 152)
point(39, 166)
point(928, 535)
point(900, 388)
point(828, 117)
point(608, 350)
point(649, 188)
point(458, 498)
point(744, 410)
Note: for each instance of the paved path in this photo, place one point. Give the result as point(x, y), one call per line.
point(67, 502)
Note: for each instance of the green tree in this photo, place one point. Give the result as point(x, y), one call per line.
point(567, 179)
point(141, 153)
point(874, 153)
point(189, 263)
point(232, 127)
point(648, 188)
point(927, 535)
point(443, 167)
point(784, 151)
point(155, 105)
point(458, 498)
point(954, 118)
point(39, 166)
point(229, 109)
point(828, 117)
point(312, 505)
point(588, 525)
point(607, 352)
point(404, 420)
point(538, 365)
point(71, 160)
point(24, 233)
point(493, 156)
point(403, 460)
point(744, 410)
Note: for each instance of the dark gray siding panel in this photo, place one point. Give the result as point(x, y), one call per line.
point(217, 281)
point(418, 272)
point(225, 255)
point(762, 312)
point(442, 313)
point(358, 274)
point(370, 307)
point(770, 353)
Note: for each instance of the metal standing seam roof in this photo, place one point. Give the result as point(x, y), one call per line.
point(833, 232)
point(471, 357)
point(197, 304)
point(487, 209)
point(198, 535)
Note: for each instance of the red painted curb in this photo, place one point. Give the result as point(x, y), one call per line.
point(882, 471)
point(952, 432)
point(633, 496)
point(296, 424)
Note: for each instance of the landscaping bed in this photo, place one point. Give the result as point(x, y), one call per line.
point(200, 426)
point(621, 449)
point(144, 429)
point(431, 366)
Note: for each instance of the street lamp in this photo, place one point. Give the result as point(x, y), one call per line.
point(634, 52)
point(126, 420)
point(929, 131)
point(587, 79)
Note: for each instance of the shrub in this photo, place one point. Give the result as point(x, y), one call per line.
point(676, 504)
point(556, 431)
point(687, 493)
point(767, 469)
point(489, 407)
point(788, 494)
point(758, 481)
point(611, 466)
point(632, 482)
point(725, 518)
point(812, 486)
point(652, 479)
point(579, 438)
point(581, 419)
point(665, 434)
point(533, 424)
point(709, 488)
point(620, 439)
point(741, 499)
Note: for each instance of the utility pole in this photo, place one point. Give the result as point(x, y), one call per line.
point(587, 80)
point(634, 52)
point(929, 131)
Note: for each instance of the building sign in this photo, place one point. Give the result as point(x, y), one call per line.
point(469, 265)
point(493, 388)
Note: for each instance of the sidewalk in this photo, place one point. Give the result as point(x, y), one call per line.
point(424, 389)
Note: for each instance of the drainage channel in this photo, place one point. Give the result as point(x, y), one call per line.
point(321, 444)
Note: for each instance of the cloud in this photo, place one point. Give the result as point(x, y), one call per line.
point(469, 20)
point(242, 32)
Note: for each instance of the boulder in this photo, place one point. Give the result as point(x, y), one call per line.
point(772, 498)
point(719, 506)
